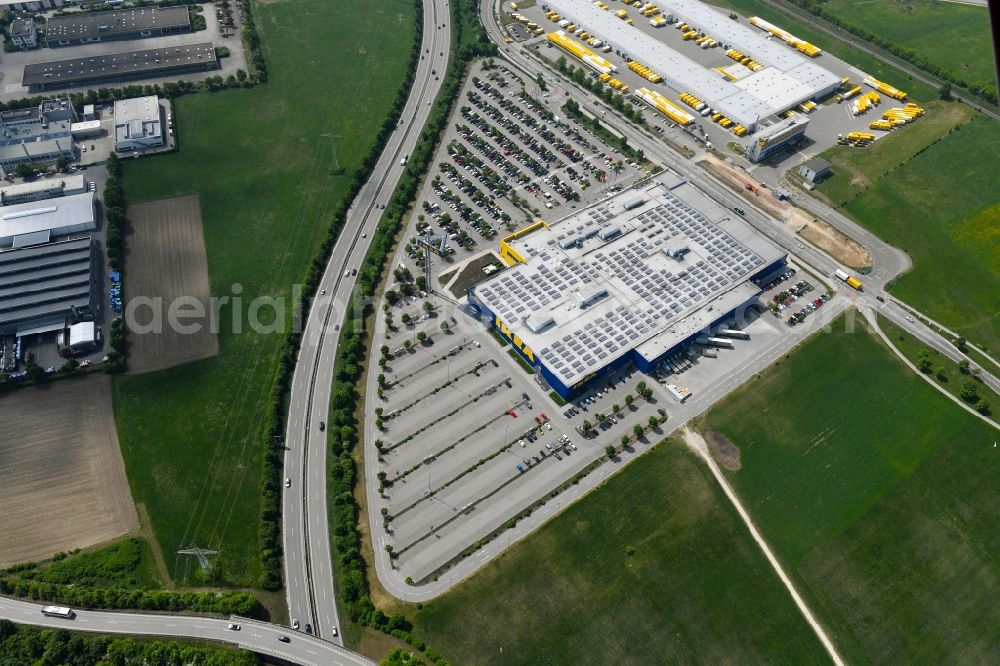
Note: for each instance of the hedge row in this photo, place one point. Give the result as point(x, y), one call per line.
point(24, 644)
point(270, 531)
point(910, 56)
point(225, 603)
point(252, 40)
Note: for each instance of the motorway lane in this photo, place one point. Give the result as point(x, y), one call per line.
point(257, 636)
point(308, 564)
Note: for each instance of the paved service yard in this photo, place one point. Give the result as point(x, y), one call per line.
point(62, 479)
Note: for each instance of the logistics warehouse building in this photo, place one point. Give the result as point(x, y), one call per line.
point(786, 80)
point(151, 63)
point(87, 27)
point(632, 279)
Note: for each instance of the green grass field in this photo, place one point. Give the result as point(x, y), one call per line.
point(262, 162)
point(878, 494)
point(856, 170)
point(695, 590)
point(943, 208)
point(952, 36)
point(745, 8)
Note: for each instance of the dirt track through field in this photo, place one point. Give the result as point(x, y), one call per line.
point(166, 260)
point(62, 478)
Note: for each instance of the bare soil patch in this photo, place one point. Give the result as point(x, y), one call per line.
point(62, 478)
point(166, 261)
point(725, 452)
point(819, 233)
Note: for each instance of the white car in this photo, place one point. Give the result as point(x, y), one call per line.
point(234, 627)
point(335, 634)
point(295, 624)
point(288, 482)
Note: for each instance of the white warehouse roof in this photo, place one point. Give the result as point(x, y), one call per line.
point(786, 80)
point(63, 215)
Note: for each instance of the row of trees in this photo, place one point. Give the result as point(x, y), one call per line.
point(23, 644)
point(225, 603)
point(970, 389)
point(251, 39)
point(582, 78)
point(815, 7)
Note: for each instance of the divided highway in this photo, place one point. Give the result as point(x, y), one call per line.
point(308, 564)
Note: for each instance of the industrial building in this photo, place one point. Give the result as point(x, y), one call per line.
point(37, 221)
point(23, 33)
point(784, 80)
point(126, 66)
point(632, 279)
point(38, 190)
point(138, 123)
point(46, 287)
point(815, 170)
point(776, 137)
point(36, 134)
point(87, 27)
point(36, 5)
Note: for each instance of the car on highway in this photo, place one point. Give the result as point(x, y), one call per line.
point(335, 631)
point(284, 639)
point(234, 626)
point(322, 292)
point(309, 628)
point(295, 624)
point(288, 482)
point(322, 426)
point(880, 299)
point(909, 319)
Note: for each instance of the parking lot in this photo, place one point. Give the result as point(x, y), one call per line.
point(508, 159)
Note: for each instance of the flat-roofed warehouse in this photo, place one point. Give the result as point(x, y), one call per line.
point(44, 287)
point(37, 221)
point(631, 279)
point(150, 63)
point(786, 80)
point(87, 27)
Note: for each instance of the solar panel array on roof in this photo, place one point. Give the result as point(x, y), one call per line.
point(579, 309)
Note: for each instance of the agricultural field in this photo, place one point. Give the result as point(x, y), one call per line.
point(943, 208)
point(166, 261)
point(879, 496)
point(62, 481)
point(673, 578)
point(952, 36)
point(262, 162)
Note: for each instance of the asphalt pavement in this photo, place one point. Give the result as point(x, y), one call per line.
point(253, 635)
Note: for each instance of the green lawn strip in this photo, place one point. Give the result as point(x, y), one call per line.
point(870, 64)
point(855, 171)
point(943, 208)
point(672, 578)
point(952, 37)
point(953, 377)
point(520, 361)
point(878, 494)
point(262, 165)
